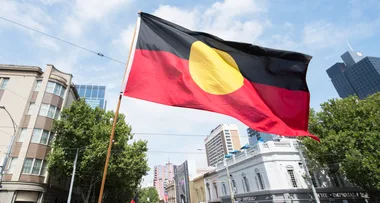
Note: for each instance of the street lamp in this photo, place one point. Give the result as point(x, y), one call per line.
point(5, 160)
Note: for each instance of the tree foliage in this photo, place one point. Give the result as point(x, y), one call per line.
point(349, 130)
point(88, 130)
point(149, 192)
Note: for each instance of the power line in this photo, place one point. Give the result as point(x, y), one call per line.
point(62, 40)
point(152, 134)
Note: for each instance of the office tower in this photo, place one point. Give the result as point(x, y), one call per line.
point(222, 140)
point(94, 95)
point(162, 175)
point(252, 136)
point(358, 75)
point(33, 99)
point(256, 136)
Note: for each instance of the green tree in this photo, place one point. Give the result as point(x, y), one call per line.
point(148, 195)
point(88, 130)
point(349, 130)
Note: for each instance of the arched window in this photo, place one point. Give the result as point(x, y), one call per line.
point(224, 188)
point(292, 177)
point(259, 180)
point(216, 190)
point(208, 191)
point(246, 183)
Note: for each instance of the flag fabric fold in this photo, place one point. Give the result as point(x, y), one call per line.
point(264, 88)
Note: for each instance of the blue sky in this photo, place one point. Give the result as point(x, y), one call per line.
point(318, 28)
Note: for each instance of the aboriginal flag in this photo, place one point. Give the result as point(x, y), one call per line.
point(264, 88)
point(135, 199)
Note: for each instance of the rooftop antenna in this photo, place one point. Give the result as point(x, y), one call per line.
point(350, 46)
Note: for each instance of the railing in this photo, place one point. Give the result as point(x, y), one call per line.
point(262, 148)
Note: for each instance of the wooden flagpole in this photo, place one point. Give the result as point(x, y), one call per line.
point(116, 115)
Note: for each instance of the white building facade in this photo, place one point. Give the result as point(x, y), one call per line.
point(273, 172)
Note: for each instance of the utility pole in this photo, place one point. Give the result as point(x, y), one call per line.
point(5, 160)
point(307, 173)
point(229, 181)
point(73, 177)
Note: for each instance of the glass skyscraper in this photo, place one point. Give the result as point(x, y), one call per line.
point(255, 136)
point(93, 94)
point(358, 75)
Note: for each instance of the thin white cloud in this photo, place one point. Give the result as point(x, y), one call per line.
point(188, 18)
point(31, 16)
point(323, 34)
point(52, 2)
point(85, 11)
point(24, 13)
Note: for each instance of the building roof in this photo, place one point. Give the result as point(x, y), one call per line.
point(11, 67)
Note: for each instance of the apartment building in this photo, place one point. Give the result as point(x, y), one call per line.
point(222, 140)
point(33, 98)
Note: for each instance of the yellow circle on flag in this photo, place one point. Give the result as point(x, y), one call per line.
point(213, 70)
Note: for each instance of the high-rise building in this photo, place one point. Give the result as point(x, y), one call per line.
point(93, 94)
point(222, 140)
point(162, 175)
point(256, 136)
point(33, 99)
point(252, 136)
point(358, 75)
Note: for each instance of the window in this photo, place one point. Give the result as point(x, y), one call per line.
point(224, 189)
point(49, 111)
point(101, 93)
point(27, 165)
point(208, 191)
point(55, 88)
point(313, 180)
point(50, 87)
point(335, 180)
point(34, 166)
point(234, 188)
point(216, 190)
point(31, 110)
point(37, 166)
point(21, 138)
point(44, 109)
point(246, 183)
point(292, 178)
point(81, 90)
point(41, 136)
point(88, 91)
point(12, 165)
point(38, 85)
point(260, 181)
point(3, 83)
point(94, 93)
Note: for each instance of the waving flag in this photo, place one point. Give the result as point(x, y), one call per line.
point(264, 88)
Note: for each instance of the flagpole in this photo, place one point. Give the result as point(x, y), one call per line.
point(126, 72)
